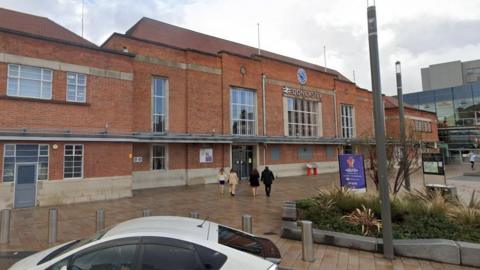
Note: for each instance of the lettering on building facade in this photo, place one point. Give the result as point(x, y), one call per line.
point(300, 93)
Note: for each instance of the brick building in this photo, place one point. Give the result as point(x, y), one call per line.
point(159, 106)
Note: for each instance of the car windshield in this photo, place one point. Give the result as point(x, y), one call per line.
point(73, 245)
point(239, 240)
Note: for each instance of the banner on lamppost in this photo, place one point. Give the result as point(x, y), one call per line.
point(352, 172)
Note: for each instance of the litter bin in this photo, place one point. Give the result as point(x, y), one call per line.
point(309, 169)
point(315, 169)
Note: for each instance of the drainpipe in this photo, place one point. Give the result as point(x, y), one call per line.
point(264, 78)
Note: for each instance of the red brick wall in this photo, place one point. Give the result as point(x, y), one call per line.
point(289, 153)
point(101, 159)
point(392, 124)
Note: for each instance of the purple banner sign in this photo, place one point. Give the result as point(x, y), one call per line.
point(352, 172)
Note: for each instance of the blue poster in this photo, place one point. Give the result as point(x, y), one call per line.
point(352, 172)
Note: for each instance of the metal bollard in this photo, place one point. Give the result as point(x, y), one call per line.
point(147, 212)
point(307, 241)
point(194, 215)
point(52, 225)
point(5, 226)
point(247, 223)
point(100, 219)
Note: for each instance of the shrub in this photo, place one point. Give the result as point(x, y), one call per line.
point(465, 216)
point(365, 218)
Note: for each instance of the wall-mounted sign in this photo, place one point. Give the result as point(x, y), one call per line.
point(206, 155)
point(302, 76)
point(300, 93)
point(352, 172)
point(137, 159)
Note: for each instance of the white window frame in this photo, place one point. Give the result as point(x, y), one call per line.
point(314, 112)
point(244, 105)
point(77, 84)
point(347, 117)
point(165, 155)
point(15, 163)
point(19, 78)
point(73, 155)
point(165, 104)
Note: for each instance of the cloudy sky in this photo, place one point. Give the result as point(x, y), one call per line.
point(418, 33)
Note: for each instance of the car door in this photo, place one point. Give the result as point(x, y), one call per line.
point(162, 253)
point(119, 254)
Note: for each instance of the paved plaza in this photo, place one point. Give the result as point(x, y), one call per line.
point(29, 226)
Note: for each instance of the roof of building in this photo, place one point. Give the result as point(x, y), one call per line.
point(38, 26)
point(171, 35)
point(392, 103)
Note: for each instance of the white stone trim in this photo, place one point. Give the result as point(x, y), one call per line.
point(62, 66)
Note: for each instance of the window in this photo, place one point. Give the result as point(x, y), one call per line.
point(16, 153)
point(302, 117)
point(73, 161)
point(330, 152)
point(305, 152)
point(243, 112)
point(76, 87)
point(275, 150)
point(348, 128)
point(118, 257)
point(166, 257)
point(239, 240)
point(159, 101)
point(32, 82)
point(422, 126)
point(158, 157)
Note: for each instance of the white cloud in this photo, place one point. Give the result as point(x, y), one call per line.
point(411, 31)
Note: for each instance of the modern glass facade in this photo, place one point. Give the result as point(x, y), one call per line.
point(458, 113)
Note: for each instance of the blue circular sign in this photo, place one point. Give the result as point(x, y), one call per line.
point(301, 76)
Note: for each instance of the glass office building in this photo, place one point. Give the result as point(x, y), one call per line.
point(458, 113)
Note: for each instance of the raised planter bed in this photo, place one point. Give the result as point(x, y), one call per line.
point(440, 250)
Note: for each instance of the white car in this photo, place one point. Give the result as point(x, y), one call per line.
point(158, 243)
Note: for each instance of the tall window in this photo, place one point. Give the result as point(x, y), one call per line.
point(76, 87)
point(73, 161)
point(348, 128)
point(243, 112)
point(32, 82)
point(302, 117)
point(159, 99)
point(158, 157)
point(19, 153)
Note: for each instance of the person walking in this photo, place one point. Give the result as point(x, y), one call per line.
point(222, 177)
point(267, 179)
point(473, 156)
point(232, 181)
point(254, 183)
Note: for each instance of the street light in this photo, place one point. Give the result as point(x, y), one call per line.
point(380, 133)
point(403, 141)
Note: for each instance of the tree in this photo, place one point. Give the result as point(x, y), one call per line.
point(395, 159)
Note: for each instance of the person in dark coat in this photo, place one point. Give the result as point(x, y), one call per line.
point(267, 179)
point(254, 181)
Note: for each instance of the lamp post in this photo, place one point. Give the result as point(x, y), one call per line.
point(398, 71)
point(380, 133)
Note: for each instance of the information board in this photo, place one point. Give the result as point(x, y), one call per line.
point(433, 163)
point(352, 172)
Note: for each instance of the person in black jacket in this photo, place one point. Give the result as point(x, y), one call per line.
point(267, 179)
point(254, 183)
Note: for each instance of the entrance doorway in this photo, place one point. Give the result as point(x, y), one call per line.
point(242, 160)
point(25, 185)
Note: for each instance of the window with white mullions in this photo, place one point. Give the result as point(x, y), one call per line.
point(159, 104)
point(30, 82)
point(73, 161)
point(76, 87)
point(347, 120)
point(243, 111)
point(158, 157)
point(302, 117)
point(25, 153)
